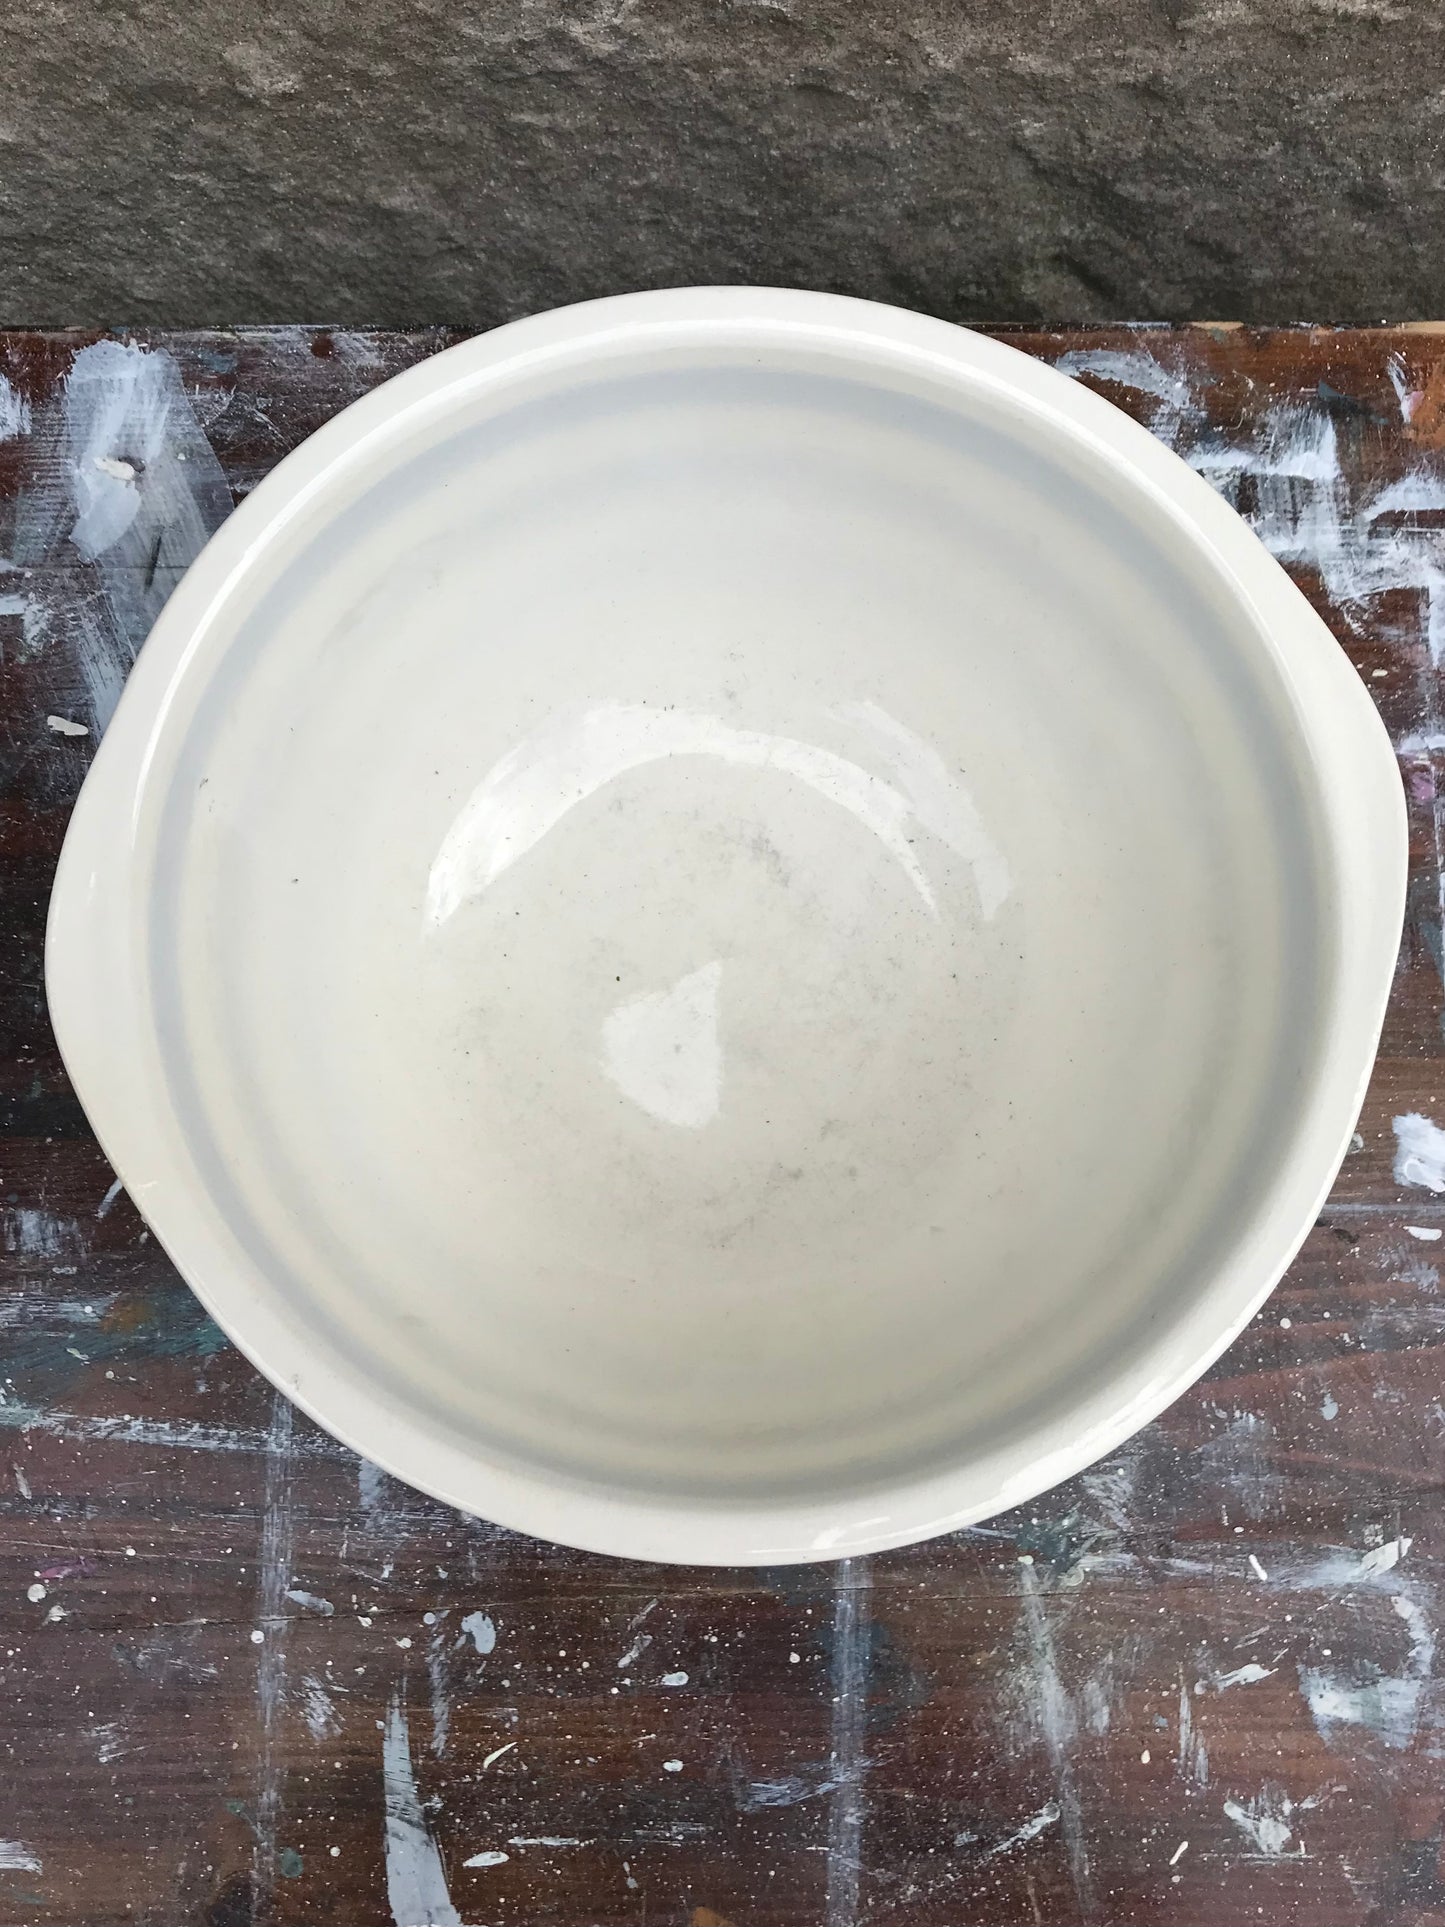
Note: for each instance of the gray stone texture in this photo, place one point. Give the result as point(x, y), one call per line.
point(405, 161)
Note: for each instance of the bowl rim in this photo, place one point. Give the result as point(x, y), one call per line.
point(97, 986)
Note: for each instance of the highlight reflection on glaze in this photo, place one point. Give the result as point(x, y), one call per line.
point(570, 758)
point(663, 1050)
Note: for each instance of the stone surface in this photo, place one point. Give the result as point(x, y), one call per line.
point(408, 161)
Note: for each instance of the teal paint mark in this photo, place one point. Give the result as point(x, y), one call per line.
point(288, 1863)
point(181, 1330)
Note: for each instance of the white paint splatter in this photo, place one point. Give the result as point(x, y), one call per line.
point(370, 1484)
point(673, 1679)
point(14, 412)
point(438, 1667)
point(1047, 1816)
point(1242, 1676)
point(1256, 1568)
point(1134, 369)
point(482, 1632)
point(672, 1766)
point(136, 490)
point(494, 1857)
point(1426, 1233)
point(634, 1652)
point(852, 1655)
point(1384, 1558)
point(30, 1231)
point(1297, 501)
point(1193, 1761)
point(416, 1883)
point(1419, 1152)
point(496, 1754)
point(1179, 1853)
point(63, 726)
point(1266, 1821)
point(111, 1742)
point(274, 1561)
point(103, 1209)
point(15, 1858)
point(35, 1593)
point(547, 1840)
point(167, 1433)
point(787, 1790)
point(1057, 1723)
point(1368, 1694)
point(311, 1601)
point(1329, 1406)
point(318, 1708)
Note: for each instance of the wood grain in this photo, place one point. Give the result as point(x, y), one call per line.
point(1196, 1685)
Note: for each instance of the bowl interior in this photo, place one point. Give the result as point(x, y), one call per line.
point(736, 931)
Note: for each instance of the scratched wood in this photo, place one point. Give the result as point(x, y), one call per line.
point(244, 1678)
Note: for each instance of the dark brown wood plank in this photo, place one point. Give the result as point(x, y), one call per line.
point(228, 1649)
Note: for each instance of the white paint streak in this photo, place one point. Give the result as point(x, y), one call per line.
point(318, 1709)
point(493, 1858)
point(104, 1208)
point(852, 1652)
point(1368, 1693)
point(14, 412)
point(132, 487)
point(111, 1742)
point(547, 1840)
point(1256, 1568)
point(496, 1754)
point(1266, 1821)
point(311, 1601)
point(1384, 1558)
point(482, 1632)
point(63, 726)
point(416, 1883)
point(1193, 1763)
point(634, 1652)
point(674, 1679)
point(1248, 1675)
point(1297, 500)
point(1038, 1823)
point(438, 1668)
point(168, 1433)
point(30, 1231)
point(1426, 1233)
point(277, 1528)
point(1128, 368)
point(1058, 1726)
point(1419, 1152)
point(15, 1858)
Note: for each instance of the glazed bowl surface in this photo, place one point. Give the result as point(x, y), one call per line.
point(731, 925)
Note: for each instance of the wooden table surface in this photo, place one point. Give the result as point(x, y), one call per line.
point(244, 1677)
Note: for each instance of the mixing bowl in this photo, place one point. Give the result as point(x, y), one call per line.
point(731, 925)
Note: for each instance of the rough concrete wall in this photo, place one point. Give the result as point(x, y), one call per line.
point(206, 161)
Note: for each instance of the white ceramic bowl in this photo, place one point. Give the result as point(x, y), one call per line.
point(731, 925)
